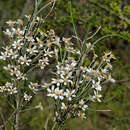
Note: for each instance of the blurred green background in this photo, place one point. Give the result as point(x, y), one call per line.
point(114, 18)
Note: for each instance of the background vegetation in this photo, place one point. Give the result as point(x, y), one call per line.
point(114, 18)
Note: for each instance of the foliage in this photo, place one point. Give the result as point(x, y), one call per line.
point(113, 16)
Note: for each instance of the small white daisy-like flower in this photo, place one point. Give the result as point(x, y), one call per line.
point(59, 94)
point(33, 86)
point(82, 115)
point(19, 22)
point(69, 94)
point(11, 23)
point(97, 96)
point(8, 67)
point(57, 41)
point(2, 89)
point(96, 85)
point(67, 40)
point(111, 79)
point(71, 66)
point(4, 55)
point(14, 71)
point(43, 62)
point(12, 90)
point(66, 80)
point(20, 75)
point(55, 92)
point(27, 97)
point(30, 39)
point(83, 105)
point(48, 52)
point(24, 60)
point(51, 92)
point(32, 50)
point(13, 54)
point(17, 44)
point(9, 85)
point(57, 81)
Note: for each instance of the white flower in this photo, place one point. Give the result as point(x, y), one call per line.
point(71, 66)
point(17, 44)
point(57, 81)
point(82, 115)
point(27, 97)
point(19, 75)
point(24, 60)
point(83, 105)
point(69, 94)
point(96, 85)
point(59, 93)
point(56, 93)
point(4, 55)
point(12, 90)
point(33, 86)
point(64, 107)
point(2, 89)
point(30, 39)
point(32, 50)
point(11, 23)
point(67, 40)
point(43, 62)
point(8, 32)
point(48, 53)
point(57, 41)
point(51, 92)
point(9, 85)
point(97, 96)
point(66, 80)
point(111, 79)
point(13, 54)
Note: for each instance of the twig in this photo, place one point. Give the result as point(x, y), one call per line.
point(54, 126)
point(46, 123)
point(45, 6)
point(2, 118)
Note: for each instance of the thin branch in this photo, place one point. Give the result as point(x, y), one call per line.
point(45, 6)
point(46, 123)
point(54, 126)
point(2, 118)
point(94, 33)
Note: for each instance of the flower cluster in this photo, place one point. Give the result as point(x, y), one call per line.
point(77, 74)
point(76, 82)
point(28, 48)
